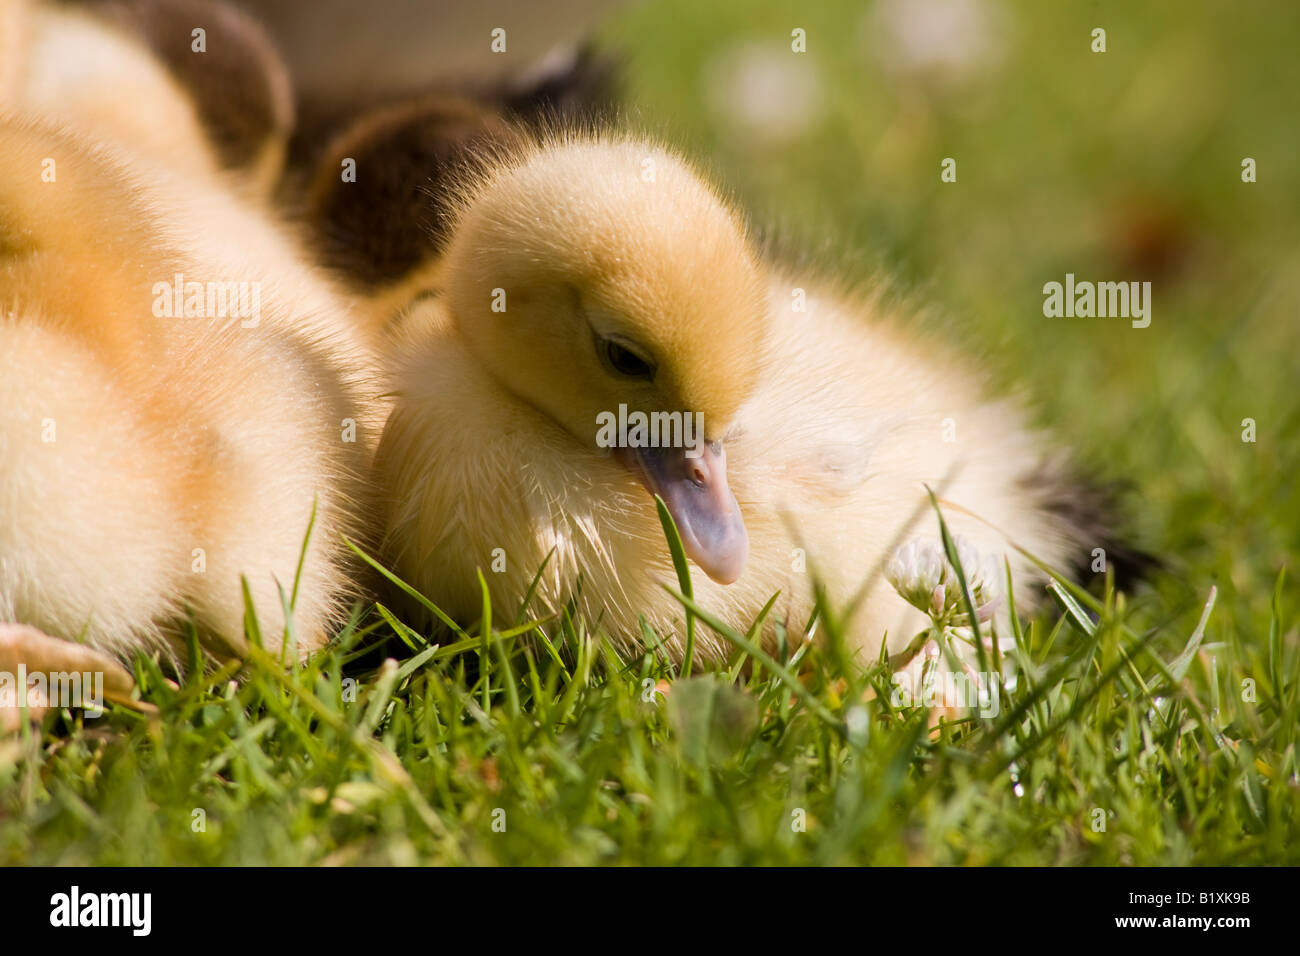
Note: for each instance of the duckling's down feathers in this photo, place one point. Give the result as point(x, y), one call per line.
point(836, 418)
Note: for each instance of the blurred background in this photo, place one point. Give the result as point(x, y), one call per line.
point(1122, 165)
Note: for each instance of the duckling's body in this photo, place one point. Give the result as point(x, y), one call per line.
point(179, 391)
point(149, 458)
point(827, 424)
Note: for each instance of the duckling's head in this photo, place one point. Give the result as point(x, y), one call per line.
point(593, 276)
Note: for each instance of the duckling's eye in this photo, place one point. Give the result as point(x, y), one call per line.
point(624, 361)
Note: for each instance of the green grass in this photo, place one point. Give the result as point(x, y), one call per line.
point(540, 745)
point(1175, 726)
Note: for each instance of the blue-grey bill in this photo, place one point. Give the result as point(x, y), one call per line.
point(696, 493)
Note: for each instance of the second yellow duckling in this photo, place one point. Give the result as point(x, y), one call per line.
point(590, 279)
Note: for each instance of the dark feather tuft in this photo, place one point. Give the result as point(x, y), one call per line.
point(1090, 507)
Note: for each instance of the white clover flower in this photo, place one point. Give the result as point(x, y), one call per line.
point(921, 574)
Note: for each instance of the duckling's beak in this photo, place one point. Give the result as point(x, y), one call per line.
point(702, 505)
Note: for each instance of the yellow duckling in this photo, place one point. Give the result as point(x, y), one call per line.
point(177, 393)
point(590, 279)
point(178, 389)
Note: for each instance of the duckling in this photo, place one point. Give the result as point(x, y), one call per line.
point(595, 277)
point(179, 395)
point(134, 73)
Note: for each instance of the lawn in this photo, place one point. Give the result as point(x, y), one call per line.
point(1157, 725)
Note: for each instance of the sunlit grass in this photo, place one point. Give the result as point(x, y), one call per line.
point(539, 743)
